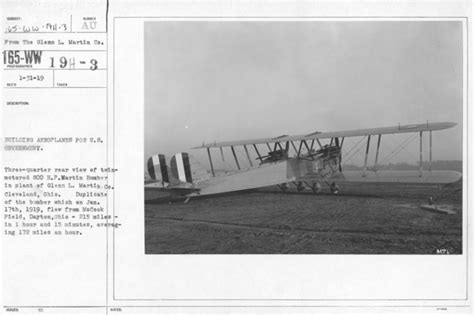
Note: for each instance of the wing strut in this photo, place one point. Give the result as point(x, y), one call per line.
point(421, 153)
point(306, 145)
point(319, 142)
point(222, 154)
point(431, 144)
point(299, 149)
point(248, 156)
point(366, 155)
point(210, 162)
point(377, 153)
point(235, 157)
point(258, 153)
point(340, 154)
point(294, 147)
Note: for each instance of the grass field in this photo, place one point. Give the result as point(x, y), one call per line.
point(362, 219)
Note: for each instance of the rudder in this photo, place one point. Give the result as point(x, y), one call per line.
point(181, 167)
point(157, 168)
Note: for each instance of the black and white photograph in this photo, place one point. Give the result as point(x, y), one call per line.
point(236, 156)
point(294, 136)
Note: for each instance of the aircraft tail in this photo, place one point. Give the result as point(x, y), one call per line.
point(187, 169)
point(157, 168)
point(181, 167)
point(183, 170)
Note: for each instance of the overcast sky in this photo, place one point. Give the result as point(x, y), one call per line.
point(217, 81)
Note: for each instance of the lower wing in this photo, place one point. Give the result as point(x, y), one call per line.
point(407, 177)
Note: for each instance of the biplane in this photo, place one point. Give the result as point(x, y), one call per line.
point(308, 161)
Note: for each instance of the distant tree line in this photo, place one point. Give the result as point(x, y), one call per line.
point(448, 165)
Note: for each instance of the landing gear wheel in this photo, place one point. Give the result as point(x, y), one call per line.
point(316, 187)
point(300, 186)
point(334, 188)
point(284, 187)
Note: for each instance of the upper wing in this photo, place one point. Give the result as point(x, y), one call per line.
point(336, 134)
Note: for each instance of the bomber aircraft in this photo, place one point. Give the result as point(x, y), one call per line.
point(307, 161)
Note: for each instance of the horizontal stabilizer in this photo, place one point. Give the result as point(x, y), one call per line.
point(180, 189)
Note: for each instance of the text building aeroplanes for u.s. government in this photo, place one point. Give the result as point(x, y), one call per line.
point(306, 160)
